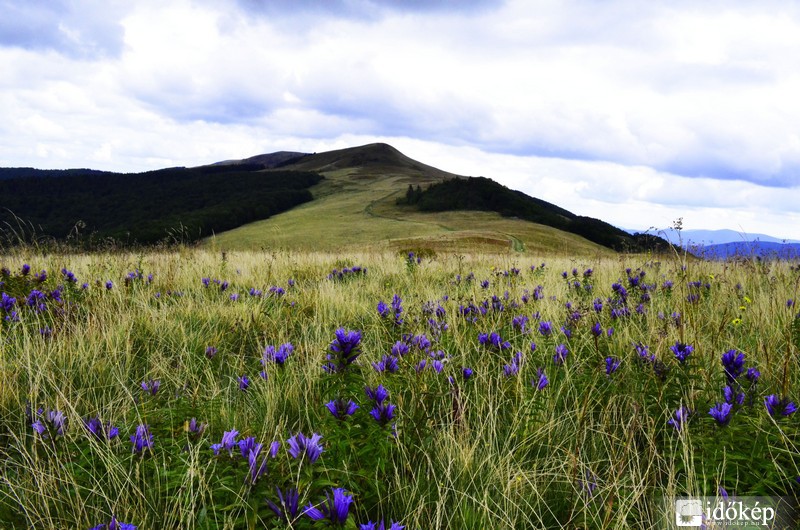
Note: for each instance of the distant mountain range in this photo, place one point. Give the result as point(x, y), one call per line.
point(724, 244)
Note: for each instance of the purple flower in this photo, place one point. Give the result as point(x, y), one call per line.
point(545, 328)
point(151, 386)
point(341, 409)
point(195, 428)
point(109, 285)
point(682, 351)
point(344, 350)
point(287, 507)
point(776, 405)
point(375, 526)
point(299, 445)
point(752, 375)
point(228, 442)
point(142, 439)
point(277, 356)
point(541, 379)
point(679, 418)
point(561, 354)
point(612, 363)
point(383, 309)
point(211, 351)
point(378, 395)
point(256, 469)
point(388, 363)
point(99, 430)
point(597, 330)
point(732, 397)
point(721, 412)
point(399, 349)
point(733, 362)
point(114, 525)
point(466, 373)
point(383, 413)
point(335, 508)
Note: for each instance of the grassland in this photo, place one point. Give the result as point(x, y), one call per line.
point(490, 448)
point(359, 204)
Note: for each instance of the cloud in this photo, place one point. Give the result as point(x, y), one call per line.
point(87, 29)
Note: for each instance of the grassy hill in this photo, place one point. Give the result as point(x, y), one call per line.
point(361, 200)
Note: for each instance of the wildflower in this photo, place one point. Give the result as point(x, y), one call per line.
point(588, 484)
point(55, 423)
point(109, 285)
point(383, 413)
point(151, 386)
point(541, 381)
point(776, 405)
point(561, 354)
point(679, 418)
point(399, 349)
point(344, 350)
point(277, 356)
point(732, 397)
point(612, 364)
point(682, 351)
point(597, 330)
point(114, 525)
point(299, 445)
point(100, 431)
point(752, 375)
point(397, 308)
point(227, 443)
point(466, 373)
point(26, 269)
point(193, 427)
point(341, 409)
point(383, 309)
point(142, 439)
point(256, 469)
point(378, 395)
point(545, 328)
point(388, 363)
point(335, 508)
point(244, 382)
point(733, 362)
point(287, 507)
point(374, 526)
point(721, 412)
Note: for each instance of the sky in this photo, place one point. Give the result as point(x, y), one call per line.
point(637, 113)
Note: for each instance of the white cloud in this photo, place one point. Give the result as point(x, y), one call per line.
point(617, 110)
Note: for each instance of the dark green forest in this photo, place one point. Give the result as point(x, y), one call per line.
point(146, 208)
point(483, 194)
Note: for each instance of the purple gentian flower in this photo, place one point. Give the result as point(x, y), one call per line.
point(335, 508)
point(300, 445)
point(721, 412)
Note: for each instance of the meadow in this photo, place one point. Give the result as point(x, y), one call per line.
point(201, 389)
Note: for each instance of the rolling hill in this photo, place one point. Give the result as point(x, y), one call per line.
point(367, 197)
point(361, 203)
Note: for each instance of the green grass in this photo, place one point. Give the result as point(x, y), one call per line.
point(489, 452)
point(359, 204)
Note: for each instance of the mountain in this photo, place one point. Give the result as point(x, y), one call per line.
point(748, 249)
point(362, 203)
point(718, 237)
point(354, 198)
